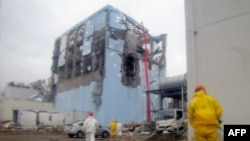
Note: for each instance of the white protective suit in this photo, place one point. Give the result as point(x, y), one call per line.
point(89, 127)
point(119, 127)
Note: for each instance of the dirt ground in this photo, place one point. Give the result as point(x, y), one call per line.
point(45, 136)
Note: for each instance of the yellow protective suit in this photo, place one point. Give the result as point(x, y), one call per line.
point(112, 127)
point(204, 113)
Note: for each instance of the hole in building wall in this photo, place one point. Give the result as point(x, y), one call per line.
point(130, 70)
point(129, 65)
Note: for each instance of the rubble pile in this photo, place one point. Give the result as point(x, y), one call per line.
point(148, 128)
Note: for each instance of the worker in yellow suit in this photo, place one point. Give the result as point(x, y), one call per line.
point(112, 127)
point(204, 115)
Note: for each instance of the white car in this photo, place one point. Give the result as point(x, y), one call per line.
point(75, 129)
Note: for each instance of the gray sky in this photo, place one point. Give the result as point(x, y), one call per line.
point(28, 29)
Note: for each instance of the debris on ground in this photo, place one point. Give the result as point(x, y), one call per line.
point(144, 131)
point(148, 129)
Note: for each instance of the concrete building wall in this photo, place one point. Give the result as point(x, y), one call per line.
point(30, 118)
point(27, 119)
point(72, 116)
point(218, 54)
point(8, 105)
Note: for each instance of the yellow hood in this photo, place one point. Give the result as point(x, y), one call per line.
point(200, 93)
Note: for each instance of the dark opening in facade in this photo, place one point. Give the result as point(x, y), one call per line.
point(129, 66)
point(130, 70)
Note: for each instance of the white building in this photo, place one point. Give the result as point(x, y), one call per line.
point(26, 107)
point(19, 97)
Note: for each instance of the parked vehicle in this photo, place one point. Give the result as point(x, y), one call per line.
point(75, 129)
point(170, 120)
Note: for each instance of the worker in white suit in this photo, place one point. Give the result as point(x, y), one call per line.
point(89, 127)
point(119, 127)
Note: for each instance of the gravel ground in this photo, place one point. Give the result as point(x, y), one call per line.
point(57, 136)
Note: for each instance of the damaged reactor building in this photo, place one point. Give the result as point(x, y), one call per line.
point(98, 65)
